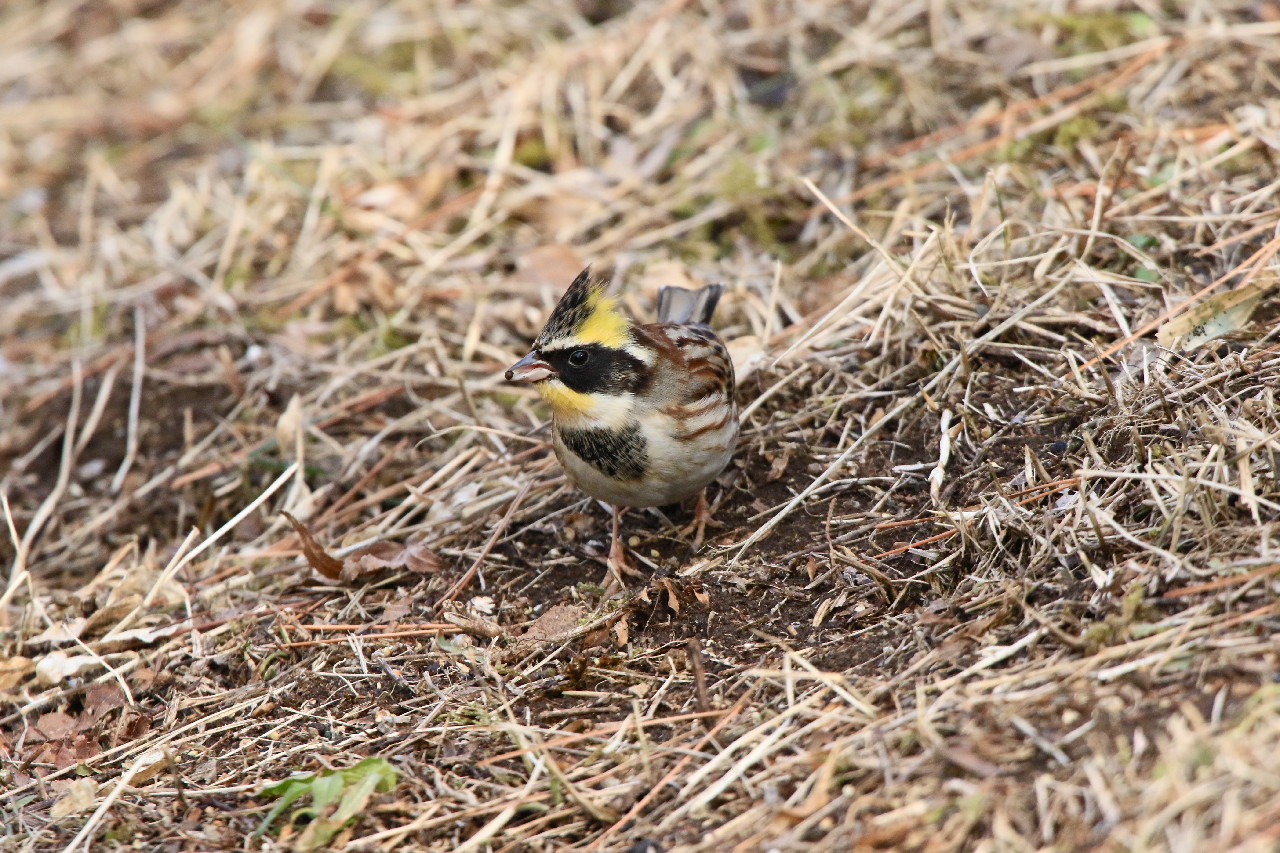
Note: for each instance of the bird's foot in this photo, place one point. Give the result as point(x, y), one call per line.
point(701, 518)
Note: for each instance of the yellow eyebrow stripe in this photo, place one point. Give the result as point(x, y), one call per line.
point(605, 325)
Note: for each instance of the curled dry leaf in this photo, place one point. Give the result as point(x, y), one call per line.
point(60, 633)
point(289, 425)
point(415, 557)
point(395, 611)
point(118, 641)
point(556, 625)
point(482, 605)
point(1216, 316)
point(148, 766)
point(130, 575)
point(80, 796)
point(748, 355)
point(14, 670)
point(378, 556)
point(673, 596)
point(317, 557)
point(55, 666)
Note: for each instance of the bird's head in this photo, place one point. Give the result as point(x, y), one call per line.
point(586, 362)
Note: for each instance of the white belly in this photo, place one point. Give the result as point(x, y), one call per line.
point(675, 471)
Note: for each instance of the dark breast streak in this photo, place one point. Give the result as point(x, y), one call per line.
point(619, 453)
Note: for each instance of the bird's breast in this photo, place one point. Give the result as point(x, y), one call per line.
point(620, 453)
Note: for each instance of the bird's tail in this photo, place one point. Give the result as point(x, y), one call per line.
point(678, 305)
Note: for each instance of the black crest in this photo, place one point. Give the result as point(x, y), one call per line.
point(571, 311)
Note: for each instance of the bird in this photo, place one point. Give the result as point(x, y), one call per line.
point(642, 415)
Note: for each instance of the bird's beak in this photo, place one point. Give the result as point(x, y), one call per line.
point(530, 369)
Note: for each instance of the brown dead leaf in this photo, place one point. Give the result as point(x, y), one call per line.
point(553, 264)
point(142, 678)
point(55, 725)
point(555, 625)
point(778, 463)
point(80, 796)
point(133, 727)
point(55, 666)
point(60, 633)
point(673, 598)
point(102, 698)
point(416, 557)
point(317, 557)
point(395, 611)
point(748, 355)
point(104, 617)
point(149, 765)
point(64, 754)
point(1215, 316)
point(14, 670)
point(375, 557)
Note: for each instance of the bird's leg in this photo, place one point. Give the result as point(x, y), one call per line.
point(701, 515)
point(617, 554)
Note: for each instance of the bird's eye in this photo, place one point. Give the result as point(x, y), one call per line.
point(579, 358)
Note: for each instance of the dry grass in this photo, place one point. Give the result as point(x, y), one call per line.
point(996, 570)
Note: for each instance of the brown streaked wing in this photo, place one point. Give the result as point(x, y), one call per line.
point(708, 373)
